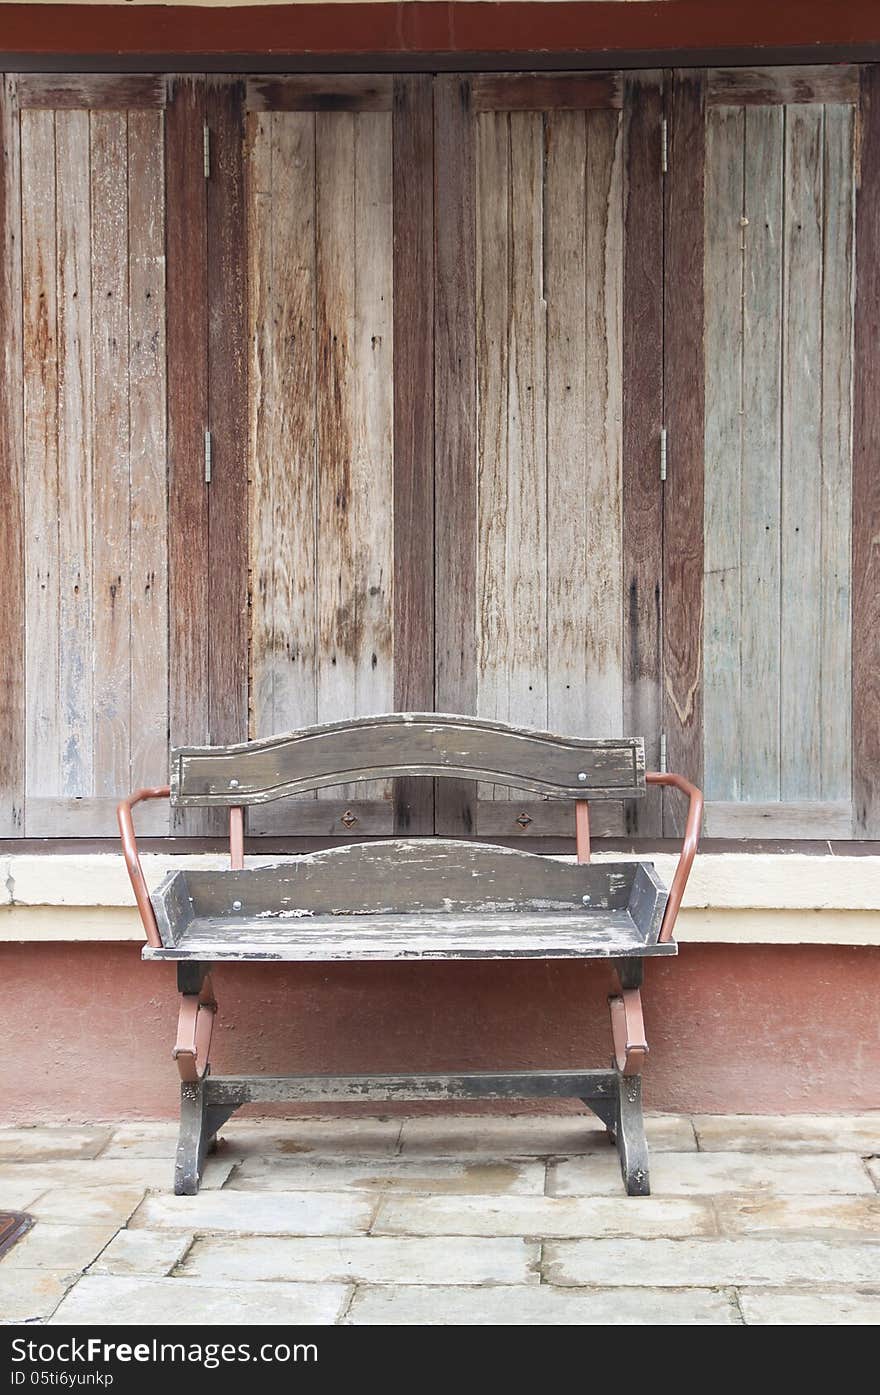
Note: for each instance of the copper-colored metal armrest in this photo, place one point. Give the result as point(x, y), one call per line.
point(133, 861)
point(688, 846)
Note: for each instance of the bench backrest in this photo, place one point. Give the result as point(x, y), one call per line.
point(404, 744)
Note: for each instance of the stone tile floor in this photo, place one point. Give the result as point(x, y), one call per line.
point(448, 1220)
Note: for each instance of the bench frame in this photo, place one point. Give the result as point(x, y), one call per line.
point(554, 766)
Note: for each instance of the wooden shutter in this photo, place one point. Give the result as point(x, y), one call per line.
point(778, 263)
point(82, 314)
point(549, 402)
point(338, 174)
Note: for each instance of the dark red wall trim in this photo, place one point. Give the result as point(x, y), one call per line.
point(425, 27)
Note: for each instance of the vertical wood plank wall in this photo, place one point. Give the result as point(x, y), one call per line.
point(322, 426)
point(779, 254)
point(91, 282)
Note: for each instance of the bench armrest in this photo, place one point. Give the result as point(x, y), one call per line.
point(688, 846)
point(133, 861)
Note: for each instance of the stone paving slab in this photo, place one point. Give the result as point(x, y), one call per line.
point(88, 1205)
point(65, 1249)
point(772, 1308)
point(444, 1175)
point(259, 1213)
point(791, 1133)
point(709, 1263)
point(545, 1216)
point(44, 1144)
point(845, 1216)
point(267, 1138)
point(148, 1252)
point(710, 1174)
point(369, 1259)
point(539, 1305)
point(19, 1193)
point(183, 1303)
point(30, 1295)
point(107, 1172)
point(873, 1167)
point(531, 1135)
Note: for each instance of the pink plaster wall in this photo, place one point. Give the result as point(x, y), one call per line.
point(86, 1029)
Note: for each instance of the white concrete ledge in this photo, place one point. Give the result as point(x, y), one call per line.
point(733, 898)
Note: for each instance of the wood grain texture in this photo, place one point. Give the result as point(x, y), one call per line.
point(723, 430)
point(281, 165)
point(147, 447)
point(227, 413)
point(12, 484)
point(445, 745)
point(40, 375)
point(91, 91)
point(584, 1085)
point(413, 214)
point(539, 92)
point(777, 819)
point(835, 765)
point(838, 82)
point(684, 390)
point(313, 92)
point(111, 555)
point(642, 421)
point(455, 422)
point(187, 338)
point(866, 477)
point(76, 689)
point(761, 447)
point(800, 633)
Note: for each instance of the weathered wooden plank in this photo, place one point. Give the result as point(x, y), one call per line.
point(455, 424)
point(806, 819)
point(866, 476)
point(39, 348)
point(723, 273)
point(111, 554)
point(413, 447)
point(581, 1085)
point(539, 92)
point(409, 744)
point(263, 542)
point(370, 598)
point(227, 414)
point(544, 818)
point(91, 91)
point(492, 602)
point(187, 336)
point(837, 299)
point(525, 573)
point(683, 502)
point(339, 636)
point(93, 816)
point(837, 82)
point(642, 422)
point(286, 424)
point(315, 92)
point(760, 480)
point(800, 635)
point(75, 273)
point(147, 449)
point(12, 489)
point(570, 449)
point(602, 590)
point(308, 817)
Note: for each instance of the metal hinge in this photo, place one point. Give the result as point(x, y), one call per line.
point(663, 452)
point(207, 457)
point(663, 766)
point(206, 149)
point(664, 146)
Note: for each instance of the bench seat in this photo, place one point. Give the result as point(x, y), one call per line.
point(602, 935)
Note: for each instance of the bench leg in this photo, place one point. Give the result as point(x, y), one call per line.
point(629, 1135)
point(199, 1123)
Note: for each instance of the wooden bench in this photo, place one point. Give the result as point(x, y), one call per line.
point(411, 899)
